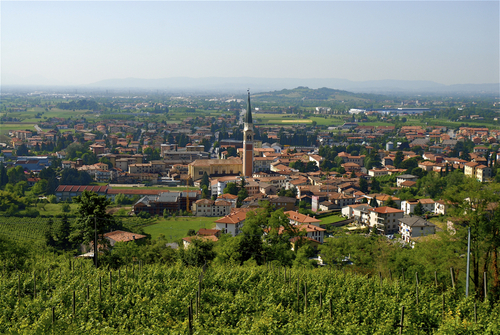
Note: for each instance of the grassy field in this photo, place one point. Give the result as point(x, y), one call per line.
point(331, 219)
point(55, 209)
point(175, 228)
point(6, 127)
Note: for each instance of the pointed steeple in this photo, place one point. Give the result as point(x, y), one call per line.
point(248, 115)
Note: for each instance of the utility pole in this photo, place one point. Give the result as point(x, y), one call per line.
point(468, 265)
point(95, 242)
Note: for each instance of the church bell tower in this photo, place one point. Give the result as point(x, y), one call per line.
point(248, 141)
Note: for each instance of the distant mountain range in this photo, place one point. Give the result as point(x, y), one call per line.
point(269, 84)
point(238, 84)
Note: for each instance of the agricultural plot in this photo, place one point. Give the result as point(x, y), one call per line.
point(158, 299)
point(175, 228)
point(24, 229)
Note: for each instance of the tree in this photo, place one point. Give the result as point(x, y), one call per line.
point(198, 253)
point(16, 175)
point(40, 187)
point(375, 185)
point(49, 234)
point(280, 231)
point(373, 202)
point(74, 177)
point(477, 205)
point(409, 164)
point(92, 214)
point(419, 209)
point(398, 159)
point(205, 194)
point(205, 180)
point(363, 185)
point(4, 179)
point(391, 203)
point(62, 232)
point(22, 150)
point(250, 244)
point(231, 152)
point(242, 192)
point(231, 188)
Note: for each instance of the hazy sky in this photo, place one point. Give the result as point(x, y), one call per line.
point(450, 42)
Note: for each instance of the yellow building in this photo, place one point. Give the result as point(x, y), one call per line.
point(215, 167)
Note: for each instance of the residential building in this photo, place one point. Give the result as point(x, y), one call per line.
point(408, 206)
point(297, 218)
point(385, 219)
point(415, 226)
point(405, 177)
point(233, 222)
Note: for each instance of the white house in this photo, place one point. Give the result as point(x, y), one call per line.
point(405, 177)
point(415, 226)
point(440, 207)
point(358, 212)
point(408, 206)
point(232, 223)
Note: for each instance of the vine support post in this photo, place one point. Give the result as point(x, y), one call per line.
point(485, 284)
point(34, 285)
point(402, 319)
point(74, 305)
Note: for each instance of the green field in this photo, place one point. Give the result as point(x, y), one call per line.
point(6, 127)
point(24, 229)
point(176, 228)
point(331, 219)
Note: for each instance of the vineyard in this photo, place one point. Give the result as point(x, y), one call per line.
point(73, 297)
point(24, 229)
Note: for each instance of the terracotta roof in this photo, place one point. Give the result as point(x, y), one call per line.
point(385, 210)
point(296, 216)
point(234, 217)
point(207, 232)
point(228, 196)
point(222, 203)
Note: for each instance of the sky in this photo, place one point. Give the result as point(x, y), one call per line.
point(77, 43)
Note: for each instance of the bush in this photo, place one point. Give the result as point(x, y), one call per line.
point(66, 208)
point(144, 215)
point(52, 199)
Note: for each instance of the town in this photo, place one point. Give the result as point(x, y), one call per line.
point(222, 165)
point(362, 184)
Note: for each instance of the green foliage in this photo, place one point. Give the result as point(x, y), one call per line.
point(205, 180)
point(197, 253)
point(65, 207)
point(75, 177)
point(16, 175)
point(419, 209)
point(92, 212)
point(391, 203)
point(238, 299)
point(231, 188)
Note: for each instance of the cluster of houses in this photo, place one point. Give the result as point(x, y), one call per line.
point(274, 169)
